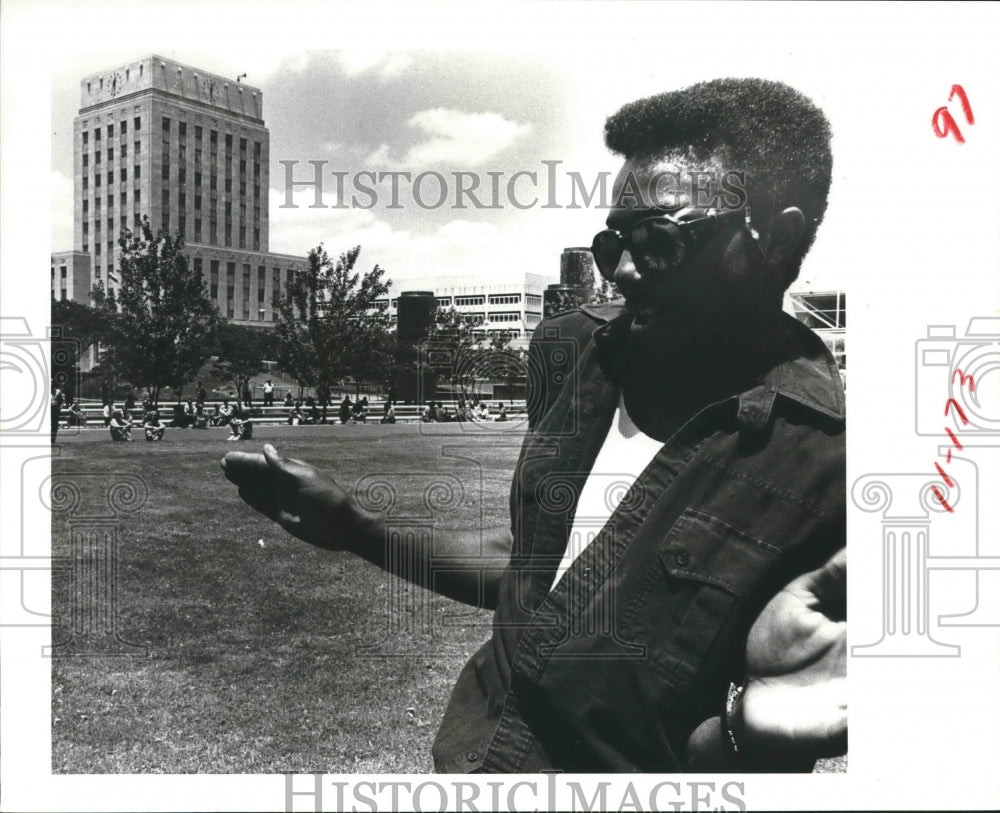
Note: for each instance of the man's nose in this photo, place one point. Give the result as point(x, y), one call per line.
point(626, 274)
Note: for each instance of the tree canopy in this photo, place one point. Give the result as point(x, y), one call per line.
point(161, 326)
point(330, 325)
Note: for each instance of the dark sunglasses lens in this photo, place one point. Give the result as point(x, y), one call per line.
point(607, 251)
point(661, 243)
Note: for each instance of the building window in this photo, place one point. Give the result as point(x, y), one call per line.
point(505, 299)
point(124, 173)
point(243, 237)
point(182, 129)
point(86, 161)
point(182, 175)
point(256, 239)
point(111, 131)
point(213, 137)
point(181, 200)
point(243, 145)
point(197, 201)
point(123, 127)
point(97, 180)
point(165, 171)
point(137, 123)
point(123, 199)
point(86, 205)
point(197, 266)
point(229, 141)
point(97, 249)
point(136, 195)
point(229, 185)
point(86, 182)
point(135, 148)
point(214, 278)
point(111, 177)
point(86, 138)
point(213, 181)
point(461, 301)
point(229, 235)
point(197, 179)
point(197, 230)
point(97, 158)
point(97, 134)
point(197, 133)
point(182, 153)
point(166, 125)
point(136, 172)
point(111, 154)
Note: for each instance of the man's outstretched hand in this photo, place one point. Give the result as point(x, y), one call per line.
point(796, 694)
point(299, 497)
point(794, 708)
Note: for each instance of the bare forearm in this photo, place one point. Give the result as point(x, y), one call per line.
point(464, 565)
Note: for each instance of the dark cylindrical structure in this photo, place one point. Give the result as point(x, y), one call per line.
point(414, 315)
point(561, 298)
point(576, 268)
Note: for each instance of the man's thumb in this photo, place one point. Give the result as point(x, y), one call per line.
point(272, 457)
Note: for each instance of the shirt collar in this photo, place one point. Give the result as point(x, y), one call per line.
point(808, 374)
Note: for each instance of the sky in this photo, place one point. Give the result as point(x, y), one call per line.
point(485, 114)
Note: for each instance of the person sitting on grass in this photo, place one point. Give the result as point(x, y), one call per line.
point(288, 399)
point(389, 415)
point(226, 413)
point(120, 425)
point(154, 428)
point(200, 417)
point(241, 427)
point(502, 414)
point(360, 412)
point(76, 416)
point(215, 416)
point(296, 416)
point(190, 413)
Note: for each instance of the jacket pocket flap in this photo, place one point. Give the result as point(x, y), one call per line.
point(704, 548)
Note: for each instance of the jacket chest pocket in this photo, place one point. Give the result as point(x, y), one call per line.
point(687, 611)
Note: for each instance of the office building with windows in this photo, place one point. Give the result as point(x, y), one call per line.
point(189, 150)
point(512, 308)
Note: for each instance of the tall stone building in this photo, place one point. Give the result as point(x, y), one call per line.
point(189, 149)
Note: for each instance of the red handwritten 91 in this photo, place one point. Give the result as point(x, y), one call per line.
point(944, 123)
point(952, 405)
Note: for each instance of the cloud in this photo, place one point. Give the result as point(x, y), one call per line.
point(453, 136)
point(356, 61)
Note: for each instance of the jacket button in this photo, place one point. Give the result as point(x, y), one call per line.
point(472, 756)
point(682, 557)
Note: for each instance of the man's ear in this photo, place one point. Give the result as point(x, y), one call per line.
point(787, 230)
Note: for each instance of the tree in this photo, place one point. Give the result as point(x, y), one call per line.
point(76, 329)
point(457, 349)
point(329, 324)
point(241, 353)
point(161, 324)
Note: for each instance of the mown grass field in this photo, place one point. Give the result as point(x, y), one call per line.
point(255, 653)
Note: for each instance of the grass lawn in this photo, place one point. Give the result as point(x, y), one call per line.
point(256, 653)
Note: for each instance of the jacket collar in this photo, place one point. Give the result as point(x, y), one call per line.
point(808, 374)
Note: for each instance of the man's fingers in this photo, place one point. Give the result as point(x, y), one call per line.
point(241, 467)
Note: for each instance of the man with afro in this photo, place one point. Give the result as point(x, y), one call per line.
point(669, 594)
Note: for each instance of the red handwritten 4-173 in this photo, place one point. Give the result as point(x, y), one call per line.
point(949, 406)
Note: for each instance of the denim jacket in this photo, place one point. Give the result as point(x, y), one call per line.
point(613, 669)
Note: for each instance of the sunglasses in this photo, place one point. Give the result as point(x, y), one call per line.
point(662, 242)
